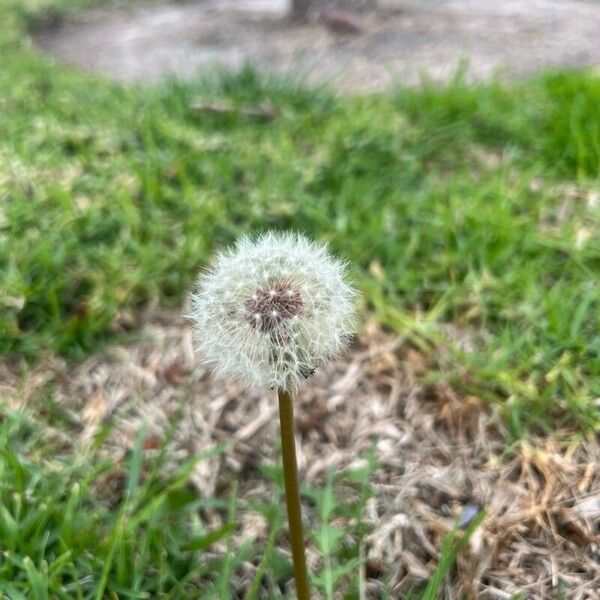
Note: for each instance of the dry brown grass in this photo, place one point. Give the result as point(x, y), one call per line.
point(440, 456)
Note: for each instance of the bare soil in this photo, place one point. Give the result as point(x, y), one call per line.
point(440, 456)
point(400, 40)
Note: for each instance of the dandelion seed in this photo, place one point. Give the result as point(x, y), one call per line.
point(295, 298)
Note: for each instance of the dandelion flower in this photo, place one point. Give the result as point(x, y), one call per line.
point(267, 313)
point(271, 309)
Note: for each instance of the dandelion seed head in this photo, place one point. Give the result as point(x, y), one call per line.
point(271, 309)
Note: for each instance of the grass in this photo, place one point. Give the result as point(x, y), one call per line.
point(90, 529)
point(114, 196)
point(428, 192)
point(470, 214)
point(87, 528)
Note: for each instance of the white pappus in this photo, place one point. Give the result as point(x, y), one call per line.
point(271, 309)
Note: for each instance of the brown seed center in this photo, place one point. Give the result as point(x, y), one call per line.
point(270, 306)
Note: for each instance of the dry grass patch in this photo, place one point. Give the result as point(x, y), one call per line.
point(441, 457)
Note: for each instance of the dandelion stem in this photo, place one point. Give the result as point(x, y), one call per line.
point(292, 494)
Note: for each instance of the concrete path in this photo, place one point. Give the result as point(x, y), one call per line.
point(399, 40)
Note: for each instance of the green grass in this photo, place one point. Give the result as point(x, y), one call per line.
point(90, 529)
point(113, 197)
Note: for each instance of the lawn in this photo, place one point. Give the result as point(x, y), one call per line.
point(470, 215)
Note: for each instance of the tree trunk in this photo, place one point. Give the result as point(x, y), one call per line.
point(300, 9)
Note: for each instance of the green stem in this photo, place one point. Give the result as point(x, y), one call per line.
point(292, 494)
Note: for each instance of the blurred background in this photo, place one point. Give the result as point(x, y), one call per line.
point(450, 151)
